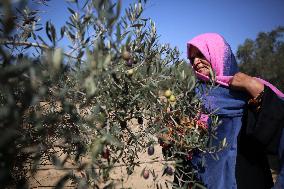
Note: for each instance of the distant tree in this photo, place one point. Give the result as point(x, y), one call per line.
point(264, 57)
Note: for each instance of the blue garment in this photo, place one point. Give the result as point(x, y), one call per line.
point(279, 184)
point(220, 174)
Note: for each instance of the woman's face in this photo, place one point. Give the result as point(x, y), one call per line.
point(199, 62)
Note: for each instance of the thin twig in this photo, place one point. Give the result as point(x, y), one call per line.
point(25, 43)
point(120, 165)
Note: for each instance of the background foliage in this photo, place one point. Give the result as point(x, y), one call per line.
point(264, 57)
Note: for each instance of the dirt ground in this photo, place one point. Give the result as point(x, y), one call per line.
point(47, 176)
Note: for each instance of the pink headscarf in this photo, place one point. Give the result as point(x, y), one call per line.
point(218, 52)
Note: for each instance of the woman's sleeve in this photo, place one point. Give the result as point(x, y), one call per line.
point(269, 121)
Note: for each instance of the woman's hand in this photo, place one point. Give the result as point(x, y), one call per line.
point(244, 82)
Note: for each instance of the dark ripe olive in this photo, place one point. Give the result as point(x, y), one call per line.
point(105, 153)
point(146, 174)
point(169, 171)
point(129, 63)
point(189, 156)
point(140, 120)
point(129, 170)
point(151, 150)
point(123, 124)
point(134, 61)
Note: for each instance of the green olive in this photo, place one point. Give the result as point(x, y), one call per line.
point(126, 55)
point(168, 93)
point(172, 98)
point(130, 72)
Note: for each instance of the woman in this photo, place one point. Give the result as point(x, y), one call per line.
point(245, 106)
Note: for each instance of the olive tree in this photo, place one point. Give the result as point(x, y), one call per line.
point(115, 92)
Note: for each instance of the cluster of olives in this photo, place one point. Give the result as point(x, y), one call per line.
point(126, 55)
point(169, 94)
point(146, 173)
point(168, 171)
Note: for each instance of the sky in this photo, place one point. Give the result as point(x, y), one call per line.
point(178, 21)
